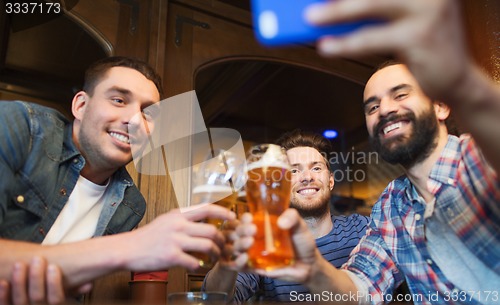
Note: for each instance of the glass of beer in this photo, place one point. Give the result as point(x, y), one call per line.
point(217, 180)
point(268, 194)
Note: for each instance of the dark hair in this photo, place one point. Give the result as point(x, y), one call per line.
point(388, 63)
point(96, 72)
point(299, 138)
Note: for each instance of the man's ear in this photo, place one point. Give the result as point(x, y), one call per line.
point(442, 111)
point(332, 182)
point(78, 104)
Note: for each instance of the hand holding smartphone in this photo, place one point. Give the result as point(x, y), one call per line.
point(282, 22)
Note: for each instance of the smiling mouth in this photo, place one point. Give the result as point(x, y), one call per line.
point(308, 191)
point(120, 137)
point(391, 127)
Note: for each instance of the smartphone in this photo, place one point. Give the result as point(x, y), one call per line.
point(282, 22)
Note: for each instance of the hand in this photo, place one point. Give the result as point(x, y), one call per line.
point(234, 257)
point(306, 252)
point(427, 35)
point(36, 283)
point(166, 241)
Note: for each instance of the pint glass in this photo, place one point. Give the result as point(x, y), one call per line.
point(217, 180)
point(268, 195)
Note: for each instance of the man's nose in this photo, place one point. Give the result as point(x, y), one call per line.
point(305, 176)
point(134, 119)
point(388, 106)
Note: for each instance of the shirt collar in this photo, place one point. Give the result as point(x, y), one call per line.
point(444, 172)
point(446, 168)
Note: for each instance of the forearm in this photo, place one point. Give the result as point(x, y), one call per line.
point(80, 262)
point(221, 279)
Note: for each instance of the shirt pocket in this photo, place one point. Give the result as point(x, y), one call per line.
point(24, 213)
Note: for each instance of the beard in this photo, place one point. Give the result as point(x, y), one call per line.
point(408, 150)
point(307, 211)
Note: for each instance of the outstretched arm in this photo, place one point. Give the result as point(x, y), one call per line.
point(427, 35)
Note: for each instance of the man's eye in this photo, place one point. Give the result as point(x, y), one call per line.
point(371, 109)
point(150, 113)
point(317, 169)
point(294, 171)
point(401, 96)
point(118, 100)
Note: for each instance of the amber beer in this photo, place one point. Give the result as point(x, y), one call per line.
point(268, 195)
point(206, 194)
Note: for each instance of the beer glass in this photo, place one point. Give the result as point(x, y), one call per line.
point(268, 194)
point(217, 180)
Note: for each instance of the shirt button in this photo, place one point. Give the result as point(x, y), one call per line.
point(75, 160)
point(20, 199)
point(429, 261)
point(63, 192)
point(451, 181)
point(418, 217)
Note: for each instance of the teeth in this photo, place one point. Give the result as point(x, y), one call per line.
point(307, 191)
point(120, 137)
point(392, 127)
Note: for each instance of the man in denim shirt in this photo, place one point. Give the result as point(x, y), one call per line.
point(63, 183)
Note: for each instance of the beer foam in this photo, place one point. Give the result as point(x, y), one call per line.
point(271, 158)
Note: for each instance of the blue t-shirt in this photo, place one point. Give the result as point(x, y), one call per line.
point(335, 247)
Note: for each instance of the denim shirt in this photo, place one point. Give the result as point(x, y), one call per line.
point(39, 168)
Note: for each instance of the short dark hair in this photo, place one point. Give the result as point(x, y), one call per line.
point(96, 72)
point(388, 63)
point(299, 138)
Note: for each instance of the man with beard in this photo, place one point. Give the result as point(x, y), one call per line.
point(435, 227)
point(65, 192)
point(335, 236)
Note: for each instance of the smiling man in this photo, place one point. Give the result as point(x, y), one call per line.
point(336, 236)
point(65, 193)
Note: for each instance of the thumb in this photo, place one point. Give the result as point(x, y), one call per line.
point(302, 239)
point(291, 220)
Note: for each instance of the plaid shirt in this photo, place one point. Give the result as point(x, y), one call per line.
point(467, 193)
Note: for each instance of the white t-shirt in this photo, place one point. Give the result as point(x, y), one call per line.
point(78, 219)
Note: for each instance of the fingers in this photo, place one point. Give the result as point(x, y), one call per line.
point(19, 284)
point(403, 23)
point(4, 292)
point(36, 281)
point(55, 290)
point(353, 10)
point(197, 213)
point(365, 41)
